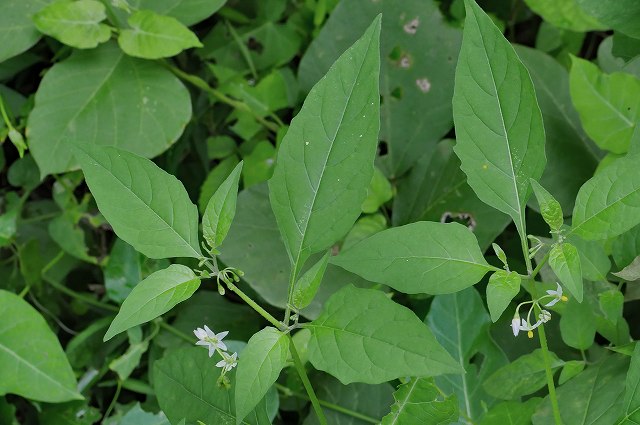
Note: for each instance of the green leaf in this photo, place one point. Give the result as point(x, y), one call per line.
point(420, 402)
point(147, 207)
point(611, 304)
point(511, 412)
point(74, 23)
point(260, 163)
point(153, 297)
point(626, 247)
point(502, 288)
point(365, 226)
point(523, 376)
point(566, 14)
point(325, 161)
point(18, 32)
point(500, 134)
point(259, 366)
point(631, 273)
point(221, 209)
point(188, 12)
point(608, 105)
point(127, 362)
point(103, 97)
point(594, 260)
point(594, 397)
point(70, 237)
point(460, 323)
point(33, 363)
point(447, 197)
point(621, 15)
point(423, 257)
point(570, 370)
point(307, 286)
point(416, 83)
point(565, 263)
point(356, 339)
point(368, 401)
point(609, 203)
point(155, 36)
point(214, 179)
point(137, 416)
point(550, 209)
point(185, 382)
point(631, 409)
point(577, 325)
point(380, 191)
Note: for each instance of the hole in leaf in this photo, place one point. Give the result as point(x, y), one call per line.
point(383, 148)
point(464, 218)
point(255, 45)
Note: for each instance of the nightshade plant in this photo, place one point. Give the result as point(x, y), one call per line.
point(347, 282)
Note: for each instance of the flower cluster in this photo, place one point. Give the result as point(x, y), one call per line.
point(213, 341)
point(518, 324)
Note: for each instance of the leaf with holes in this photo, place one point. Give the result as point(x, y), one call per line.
point(500, 134)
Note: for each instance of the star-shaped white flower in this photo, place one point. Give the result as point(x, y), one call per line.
point(208, 338)
point(228, 362)
point(557, 294)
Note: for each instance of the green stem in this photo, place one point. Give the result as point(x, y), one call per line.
point(287, 392)
point(307, 384)
point(201, 84)
point(547, 366)
point(292, 282)
point(177, 332)
point(525, 252)
point(113, 401)
point(5, 117)
point(540, 264)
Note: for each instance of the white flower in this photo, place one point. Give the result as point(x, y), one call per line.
point(544, 316)
point(557, 296)
point(228, 362)
point(515, 325)
point(208, 338)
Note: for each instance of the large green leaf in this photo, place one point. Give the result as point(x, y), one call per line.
point(221, 209)
point(523, 376)
point(75, 23)
point(188, 12)
point(423, 257)
point(436, 189)
point(594, 397)
point(17, 30)
point(259, 366)
point(416, 79)
point(609, 105)
point(105, 97)
point(499, 129)
point(578, 325)
point(631, 410)
point(420, 402)
point(325, 161)
point(609, 203)
point(147, 207)
point(565, 263)
point(511, 413)
point(33, 363)
point(255, 247)
point(566, 14)
point(154, 36)
point(460, 323)
point(621, 15)
point(356, 339)
point(185, 382)
point(153, 297)
point(370, 401)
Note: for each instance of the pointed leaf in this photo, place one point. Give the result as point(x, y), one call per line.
point(609, 203)
point(631, 273)
point(153, 297)
point(565, 263)
point(621, 15)
point(632, 395)
point(186, 384)
point(33, 363)
point(259, 366)
point(502, 288)
point(420, 402)
point(550, 209)
point(325, 161)
point(500, 135)
point(423, 257)
point(74, 23)
point(609, 105)
point(19, 32)
point(570, 370)
point(307, 286)
point(221, 209)
point(356, 339)
point(155, 36)
point(147, 207)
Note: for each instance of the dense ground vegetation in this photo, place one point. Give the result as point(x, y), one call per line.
point(319, 212)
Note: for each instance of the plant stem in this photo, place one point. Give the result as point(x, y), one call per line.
point(201, 84)
point(307, 384)
point(113, 401)
point(525, 252)
point(547, 366)
point(292, 282)
point(540, 264)
point(287, 392)
point(5, 117)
